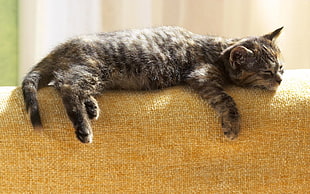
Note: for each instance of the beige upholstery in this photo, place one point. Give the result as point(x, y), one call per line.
point(165, 141)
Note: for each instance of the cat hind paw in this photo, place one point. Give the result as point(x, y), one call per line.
point(92, 108)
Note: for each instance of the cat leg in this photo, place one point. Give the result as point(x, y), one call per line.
point(76, 110)
point(92, 108)
point(77, 85)
point(208, 81)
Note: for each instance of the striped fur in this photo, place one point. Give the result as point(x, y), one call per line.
point(84, 67)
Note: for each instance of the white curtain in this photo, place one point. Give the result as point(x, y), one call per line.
point(228, 18)
point(45, 23)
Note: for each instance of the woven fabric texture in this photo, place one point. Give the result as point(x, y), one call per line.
point(165, 141)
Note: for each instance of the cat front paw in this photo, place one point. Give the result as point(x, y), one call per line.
point(231, 129)
point(84, 134)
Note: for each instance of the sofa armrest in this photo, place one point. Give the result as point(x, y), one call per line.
point(160, 141)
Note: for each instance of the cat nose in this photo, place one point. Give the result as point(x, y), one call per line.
point(278, 79)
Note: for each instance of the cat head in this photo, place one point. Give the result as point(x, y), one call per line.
point(255, 62)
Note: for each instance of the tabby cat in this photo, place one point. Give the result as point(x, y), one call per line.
point(84, 67)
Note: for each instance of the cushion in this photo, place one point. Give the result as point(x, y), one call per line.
point(163, 141)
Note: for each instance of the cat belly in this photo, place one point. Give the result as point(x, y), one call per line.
point(146, 79)
point(141, 83)
point(129, 84)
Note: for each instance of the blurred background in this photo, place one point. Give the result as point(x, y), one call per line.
point(29, 29)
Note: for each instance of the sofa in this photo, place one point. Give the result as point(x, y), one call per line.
point(163, 141)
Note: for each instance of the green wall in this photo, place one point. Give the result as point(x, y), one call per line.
point(8, 42)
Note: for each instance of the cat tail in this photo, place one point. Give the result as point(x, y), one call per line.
point(40, 76)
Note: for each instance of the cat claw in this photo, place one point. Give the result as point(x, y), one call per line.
point(230, 135)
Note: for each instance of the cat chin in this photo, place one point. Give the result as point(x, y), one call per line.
point(274, 88)
point(269, 88)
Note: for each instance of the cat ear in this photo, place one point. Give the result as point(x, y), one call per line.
point(273, 35)
point(238, 56)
